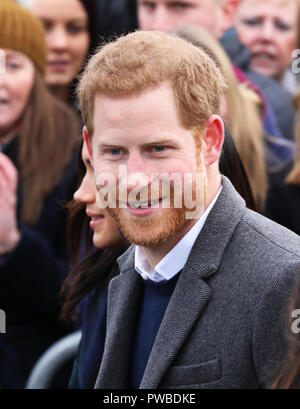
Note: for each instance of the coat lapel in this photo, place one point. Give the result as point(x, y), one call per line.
point(122, 309)
point(192, 293)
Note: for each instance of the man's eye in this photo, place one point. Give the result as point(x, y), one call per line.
point(180, 5)
point(159, 148)
point(115, 152)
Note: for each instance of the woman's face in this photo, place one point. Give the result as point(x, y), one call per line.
point(106, 232)
point(66, 24)
point(270, 29)
point(15, 88)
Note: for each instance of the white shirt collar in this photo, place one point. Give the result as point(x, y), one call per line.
point(175, 260)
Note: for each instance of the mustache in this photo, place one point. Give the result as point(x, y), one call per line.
point(151, 192)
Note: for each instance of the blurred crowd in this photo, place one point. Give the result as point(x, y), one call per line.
point(47, 191)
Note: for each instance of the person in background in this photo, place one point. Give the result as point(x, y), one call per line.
point(241, 111)
point(39, 139)
point(283, 200)
point(69, 26)
point(218, 17)
point(270, 29)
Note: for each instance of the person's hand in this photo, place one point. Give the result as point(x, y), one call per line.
point(9, 233)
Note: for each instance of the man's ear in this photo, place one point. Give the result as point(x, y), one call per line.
point(87, 142)
point(214, 139)
point(229, 12)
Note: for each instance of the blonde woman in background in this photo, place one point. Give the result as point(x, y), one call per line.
point(242, 112)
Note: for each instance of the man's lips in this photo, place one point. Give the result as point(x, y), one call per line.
point(155, 203)
point(143, 209)
point(144, 205)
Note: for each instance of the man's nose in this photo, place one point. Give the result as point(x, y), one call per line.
point(137, 172)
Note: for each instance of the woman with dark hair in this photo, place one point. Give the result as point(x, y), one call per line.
point(39, 137)
point(70, 27)
point(87, 283)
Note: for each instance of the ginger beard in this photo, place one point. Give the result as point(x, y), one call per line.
point(153, 230)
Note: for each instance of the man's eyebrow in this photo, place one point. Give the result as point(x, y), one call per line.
point(158, 141)
point(162, 141)
point(108, 145)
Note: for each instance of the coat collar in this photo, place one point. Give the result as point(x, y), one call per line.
point(188, 301)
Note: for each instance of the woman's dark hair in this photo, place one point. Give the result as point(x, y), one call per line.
point(89, 6)
point(289, 377)
point(110, 19)
point(231, 166)
point(94, 270)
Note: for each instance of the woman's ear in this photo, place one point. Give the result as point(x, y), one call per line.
point(87, 142)
point(214, 139)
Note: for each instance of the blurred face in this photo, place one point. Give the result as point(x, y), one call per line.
point(106, 233)
point(66, 25)
point(145, 137)
point(270, 29)
point(172, 14)
point(15, 89)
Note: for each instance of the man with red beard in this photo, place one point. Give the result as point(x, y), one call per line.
point(199, 299)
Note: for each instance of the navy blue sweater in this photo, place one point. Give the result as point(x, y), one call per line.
point(154, 304)
point(30, 283)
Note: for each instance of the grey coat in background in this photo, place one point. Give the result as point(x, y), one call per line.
point(226, 322)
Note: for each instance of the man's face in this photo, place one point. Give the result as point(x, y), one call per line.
point(170, 14)
point(142, 134)
point(269, 29)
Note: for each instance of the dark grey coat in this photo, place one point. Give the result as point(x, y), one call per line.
point(226, 322)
